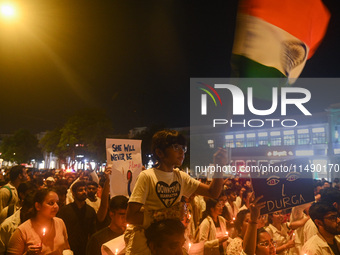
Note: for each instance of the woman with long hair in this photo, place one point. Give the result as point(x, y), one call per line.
point(43, 233)
point(213, 228)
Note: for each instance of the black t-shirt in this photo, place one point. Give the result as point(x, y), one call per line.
point(80, 225)
point(98, 239)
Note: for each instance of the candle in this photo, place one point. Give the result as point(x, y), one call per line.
point(233, 219)
point(127, 225)
point(116, 253)
point(227, 233)
point(189, 246)
point(43, 235)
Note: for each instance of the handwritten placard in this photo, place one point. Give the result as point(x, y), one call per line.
point(284, 184)
point(124, 156)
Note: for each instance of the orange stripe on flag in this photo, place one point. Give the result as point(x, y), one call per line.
point(304, 19)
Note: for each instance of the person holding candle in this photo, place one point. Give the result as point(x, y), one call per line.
point(231, 205)
point(118, 205)
point(30, 237)
point(279, 231)
point(213, 228)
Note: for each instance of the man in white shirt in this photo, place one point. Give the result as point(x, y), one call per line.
point(92, 199)
point(326, 241)
point(231, 204)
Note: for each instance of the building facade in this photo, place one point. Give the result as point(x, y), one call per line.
point(315, 138)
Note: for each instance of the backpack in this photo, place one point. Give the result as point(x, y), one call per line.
point(10, 210)
point(10, 193)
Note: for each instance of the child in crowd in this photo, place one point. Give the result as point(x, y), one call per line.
point(158, 191)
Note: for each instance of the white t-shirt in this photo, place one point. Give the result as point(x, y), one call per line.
point(95, 205)
point(158, 190)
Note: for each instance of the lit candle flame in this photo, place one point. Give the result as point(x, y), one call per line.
point(189, 246)
point(44, 231)
point(127, 225)
point(116, 252)
point(233, 219)
point(227, 233)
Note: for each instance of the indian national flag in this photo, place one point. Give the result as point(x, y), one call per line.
point(274, 38)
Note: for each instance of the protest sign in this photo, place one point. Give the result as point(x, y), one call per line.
point(124, 156)
point(284, 185)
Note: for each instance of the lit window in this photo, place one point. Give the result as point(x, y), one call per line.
point(303, 131)
point(288, 132)
point(318, 130)
point(275, 141)
point(304, 153)
point(288, 137)
point(251, 140)
point(303, 139)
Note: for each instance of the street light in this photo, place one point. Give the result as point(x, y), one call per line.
point(8, 11)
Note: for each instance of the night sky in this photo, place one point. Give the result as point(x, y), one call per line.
point(132, 58)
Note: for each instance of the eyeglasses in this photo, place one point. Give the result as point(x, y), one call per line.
point(333, 218)
point(267, 243)
point(178, 147)
point(278, 213)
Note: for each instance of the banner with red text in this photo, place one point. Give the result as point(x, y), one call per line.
point(124, 156)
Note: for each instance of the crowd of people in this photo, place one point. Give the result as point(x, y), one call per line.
point(168, 212)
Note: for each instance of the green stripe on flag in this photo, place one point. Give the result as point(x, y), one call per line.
point(247, 68)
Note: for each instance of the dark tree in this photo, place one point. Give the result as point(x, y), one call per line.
point(22, 147)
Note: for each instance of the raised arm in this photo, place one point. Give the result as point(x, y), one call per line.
point(214, 189)
point(104, 202)
point(249, 241)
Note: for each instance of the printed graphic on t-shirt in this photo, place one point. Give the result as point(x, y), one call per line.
point(168, 194)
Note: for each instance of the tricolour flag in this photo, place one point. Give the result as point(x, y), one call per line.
point(275, 38)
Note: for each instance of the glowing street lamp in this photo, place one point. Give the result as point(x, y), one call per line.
point(7, 11)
